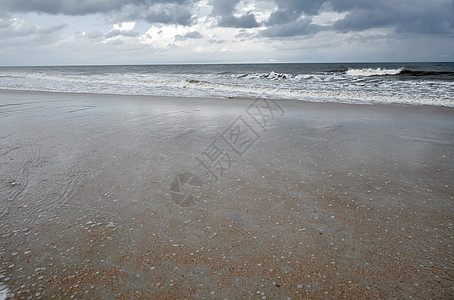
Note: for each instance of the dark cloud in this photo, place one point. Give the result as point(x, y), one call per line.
point(296, 28)
point(293, 18)
point(289, 18)
point(224, 11)
point(156, 12)
point(245, 21)
point(224, 7)
point(169, 14)
point(79, 7)
point(309, 7)
point(153, 11)
point(116, 32)
point(405, 16)
point(282, 17)
point(67, 7)
point(189, 35)
point(193, 35)
point(288, 10)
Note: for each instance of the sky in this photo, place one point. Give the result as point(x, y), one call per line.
point(80, 32)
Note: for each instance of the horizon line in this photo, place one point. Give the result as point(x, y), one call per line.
point(226, 63)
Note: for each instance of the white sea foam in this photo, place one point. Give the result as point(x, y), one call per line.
point(373, 72)
point(332, 86)
point(4, 292)
point(268, 75)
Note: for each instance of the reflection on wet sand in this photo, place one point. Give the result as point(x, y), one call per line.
point(330, 200)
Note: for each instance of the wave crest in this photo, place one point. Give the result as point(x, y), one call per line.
point(374, 72)
point(269, 75)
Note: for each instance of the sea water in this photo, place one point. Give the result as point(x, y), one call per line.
point(367, 83)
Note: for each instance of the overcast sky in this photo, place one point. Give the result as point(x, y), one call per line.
point(56, 32)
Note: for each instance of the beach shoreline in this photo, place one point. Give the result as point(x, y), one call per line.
point(218, 100)
point(288, 198)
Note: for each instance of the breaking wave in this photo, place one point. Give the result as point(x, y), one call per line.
point(268, 75)
point(352, 84)
point(407, 73)
point(374, 72)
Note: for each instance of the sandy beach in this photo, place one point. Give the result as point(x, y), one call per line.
point(137, 197)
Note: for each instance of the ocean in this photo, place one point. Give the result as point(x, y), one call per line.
point(366, 83)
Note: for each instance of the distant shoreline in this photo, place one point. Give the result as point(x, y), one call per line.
point(217, 100)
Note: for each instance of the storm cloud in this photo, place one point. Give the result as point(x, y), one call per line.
point(296, 28)
point(152, 11)
point(224, 10)
point(288, 10)
point(405, 16)
point(245, 21)
point(189, 35)
point(288, 18)
point(169, 13)
point(235, 25)
point(79, 7)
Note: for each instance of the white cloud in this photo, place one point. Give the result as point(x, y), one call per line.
point(124, 26)
point(162, 37)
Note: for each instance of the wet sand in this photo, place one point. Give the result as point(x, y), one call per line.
point(129, 197)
